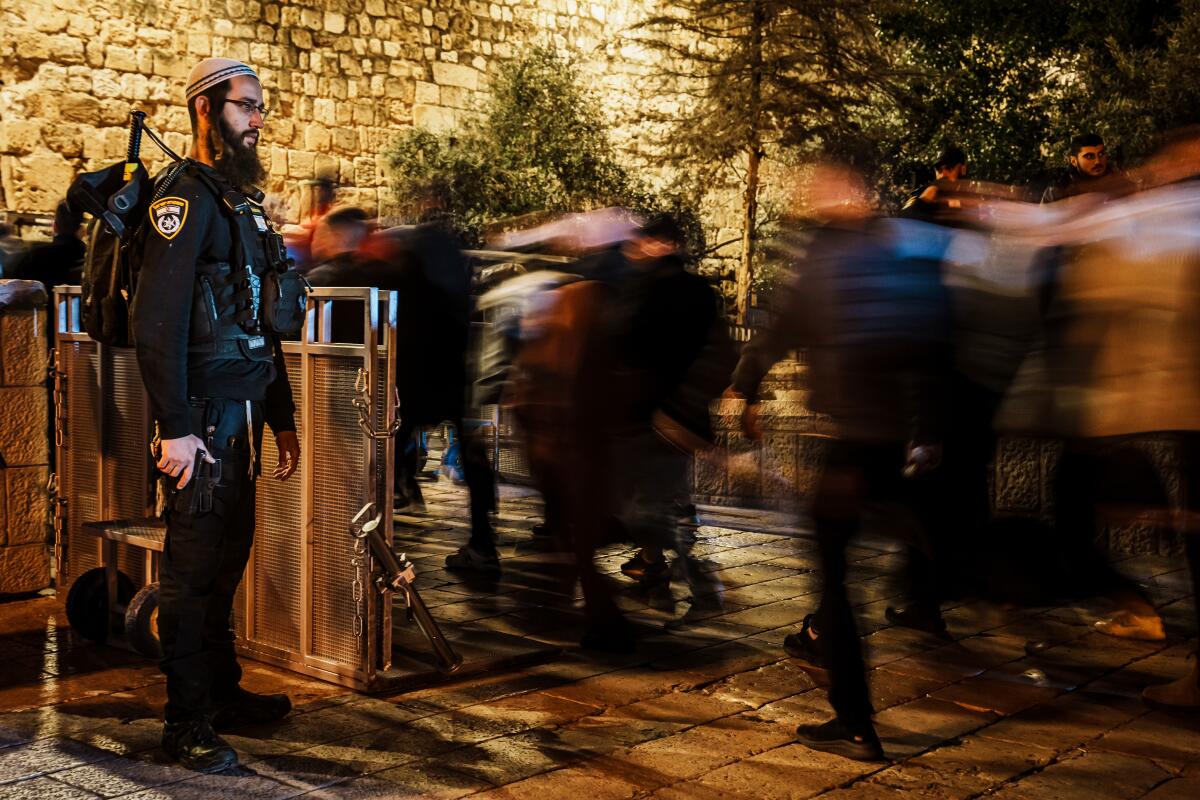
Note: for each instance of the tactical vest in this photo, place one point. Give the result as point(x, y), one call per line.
point(234, 302)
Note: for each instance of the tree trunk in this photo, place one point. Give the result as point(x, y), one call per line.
point(749, 220)
point(754, 154)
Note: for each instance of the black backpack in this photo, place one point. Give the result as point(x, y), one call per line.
point(118, 197)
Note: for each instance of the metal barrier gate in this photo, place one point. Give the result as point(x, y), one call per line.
point(309, 600)
point(102, 431)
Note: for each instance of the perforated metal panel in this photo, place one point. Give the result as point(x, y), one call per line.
point(278, 536)
point(511, 463)
point(309, 599)
point(339, 464)
point(79, 456)
point(126, 431)
point(383, 447)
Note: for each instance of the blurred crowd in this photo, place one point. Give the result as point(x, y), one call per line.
point(976, 311)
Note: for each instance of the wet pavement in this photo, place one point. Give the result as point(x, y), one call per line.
point(702, 710)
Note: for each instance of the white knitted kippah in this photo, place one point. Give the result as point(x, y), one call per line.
point(211, 71)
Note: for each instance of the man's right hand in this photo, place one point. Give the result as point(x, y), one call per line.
point(178, 457)
point(750, 424)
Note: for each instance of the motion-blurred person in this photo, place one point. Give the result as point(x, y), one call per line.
point(1089, 170)
point(664, 319)
point(57, 262)
point(432, 279)
point(299, 238)
point(337, 238)
point(1124, 363)
point(564, 395)
point(1176, 169)
point(11, 248)
point(434, 315)
point(873, 329)
point(504, 307)
point(995, 284)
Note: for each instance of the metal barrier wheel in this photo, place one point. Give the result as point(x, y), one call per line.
point(87, 603)
point(141, 622)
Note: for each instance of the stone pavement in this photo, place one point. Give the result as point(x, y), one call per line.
point(703, 711)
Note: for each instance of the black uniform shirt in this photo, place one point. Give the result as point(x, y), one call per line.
point(195, 230)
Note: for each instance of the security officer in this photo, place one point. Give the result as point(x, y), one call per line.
point(205, 332)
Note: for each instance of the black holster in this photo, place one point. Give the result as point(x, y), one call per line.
point(228, 437)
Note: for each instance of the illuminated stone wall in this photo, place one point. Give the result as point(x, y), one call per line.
point(24, 451)
point(342, 78)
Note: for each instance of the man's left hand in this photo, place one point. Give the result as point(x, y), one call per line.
point(288, 445)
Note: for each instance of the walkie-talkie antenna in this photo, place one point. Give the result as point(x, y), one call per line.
point(137, 120)
point(171, 154)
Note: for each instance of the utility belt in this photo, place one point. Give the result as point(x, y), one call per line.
point(230, 429)
point(232, 434)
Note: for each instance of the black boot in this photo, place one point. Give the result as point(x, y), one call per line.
point(196, 746)
point(859, 742)
point(803, 645)
point(248, 708)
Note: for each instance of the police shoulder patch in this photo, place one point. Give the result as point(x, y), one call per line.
point(168, 216)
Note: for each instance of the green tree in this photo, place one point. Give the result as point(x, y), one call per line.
point(754, 77)
point(1137, 74)
point(1010, 84)
point(540, 145)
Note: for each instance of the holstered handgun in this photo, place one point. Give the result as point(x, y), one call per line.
point(205, 477)
point(398, 575)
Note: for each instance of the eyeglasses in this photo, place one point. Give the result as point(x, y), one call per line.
point(249, 106)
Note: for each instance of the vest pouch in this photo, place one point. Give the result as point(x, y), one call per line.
point(284, 295)
point(204, 312)
point(255, 348)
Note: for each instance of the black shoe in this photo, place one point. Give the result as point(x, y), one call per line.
point(408, 497)
point(647, 573)
point(469, 559)
point(700, 610)
point(196, 746)
point(860, 743)
point(803, 646)
point(918, 620)
point(248, 708)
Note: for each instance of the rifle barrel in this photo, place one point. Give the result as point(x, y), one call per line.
point(448, 660)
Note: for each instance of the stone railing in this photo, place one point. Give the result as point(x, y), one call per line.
point(24, 444)
point(780, 471)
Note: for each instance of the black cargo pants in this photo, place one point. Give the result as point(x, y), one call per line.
point(852, 474)
point(202, 564)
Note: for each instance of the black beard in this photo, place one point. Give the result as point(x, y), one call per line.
point(237, 162)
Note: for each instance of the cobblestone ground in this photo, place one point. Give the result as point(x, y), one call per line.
point(706, 711)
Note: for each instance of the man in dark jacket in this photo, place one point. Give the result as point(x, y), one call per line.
point(57, 262)
point(664, 318)
point(432, 278)
point(871, 324)
point(950, 167)
point(1089, 170)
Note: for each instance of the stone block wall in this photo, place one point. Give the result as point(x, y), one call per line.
point(342, 78)
point(24, 452)
point(777, 472)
